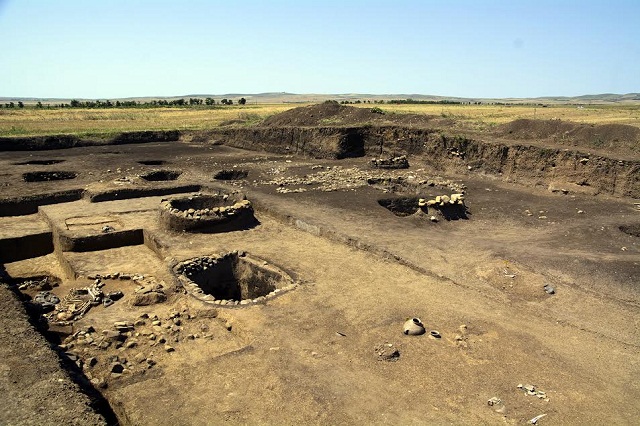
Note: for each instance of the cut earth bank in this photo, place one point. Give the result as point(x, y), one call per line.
point(329, 348)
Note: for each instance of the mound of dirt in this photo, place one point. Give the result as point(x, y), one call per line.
point(620, 138)
point(332, 113)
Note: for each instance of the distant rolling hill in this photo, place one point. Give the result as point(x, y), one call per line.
point(285, 97)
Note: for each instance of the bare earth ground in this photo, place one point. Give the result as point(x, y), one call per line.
point(312, 355)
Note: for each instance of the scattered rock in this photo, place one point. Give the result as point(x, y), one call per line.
point(497, 404)
point(46, 300)
point(400, 162)
point(387, 352)
point(150, 298)
point(532, 391)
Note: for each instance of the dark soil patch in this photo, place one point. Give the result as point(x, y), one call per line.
point(39, 162)
point(231, 174)
point(200, 202)
point(17, 206)
point(128, 193)
point(620, 138)
point(152, 162)
point(161, 175)
point(633, 230)
point(452, 211)
point(402, 206)
point(47, 176)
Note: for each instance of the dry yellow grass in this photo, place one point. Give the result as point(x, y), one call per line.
point(30, 121)
point(487, 115)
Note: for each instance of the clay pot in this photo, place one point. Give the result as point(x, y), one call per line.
point(413, 327)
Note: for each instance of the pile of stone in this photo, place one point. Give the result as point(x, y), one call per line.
point(455, 152)
point(337, 178)
point(42, 284)
point(149, 294)
point(532, 391)
point(133, 343)
point(203, 214)
point(400, 162)
point(46, 300)
point(442, 201)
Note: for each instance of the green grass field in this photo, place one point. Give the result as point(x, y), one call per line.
point(33, 121)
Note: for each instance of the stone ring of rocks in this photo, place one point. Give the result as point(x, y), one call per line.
point(207, 213)
point(233, 279)
point(413, 327)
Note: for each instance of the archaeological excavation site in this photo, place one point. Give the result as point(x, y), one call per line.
point(378, 269)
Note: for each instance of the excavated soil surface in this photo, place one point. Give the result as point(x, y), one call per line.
point(160, 175)
point(332, 351)
point(47, 176)
point(620, 138)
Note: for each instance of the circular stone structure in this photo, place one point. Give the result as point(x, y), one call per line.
point(232, 279)
point(207, 213)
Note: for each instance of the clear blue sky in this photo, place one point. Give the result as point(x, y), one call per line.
point(473, 48)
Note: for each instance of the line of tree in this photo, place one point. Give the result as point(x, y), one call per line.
point(13, 105)
point(74, 103)
point(413, 101)
point(405, 101)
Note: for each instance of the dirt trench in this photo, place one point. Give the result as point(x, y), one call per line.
point(529, 164)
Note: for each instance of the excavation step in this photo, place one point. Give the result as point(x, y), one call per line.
point(24, 237)
point(83, 226)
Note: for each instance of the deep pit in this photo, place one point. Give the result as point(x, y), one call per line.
point(633, 230)
point(47, 176)
point(233, 279)
point(407, 206)
point(207, 213)
point(231, 175)
point(161, 175)
point(38, 162)
point(152, 162)
point(401, 206)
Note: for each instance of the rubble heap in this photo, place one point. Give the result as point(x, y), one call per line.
point(400, 162)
